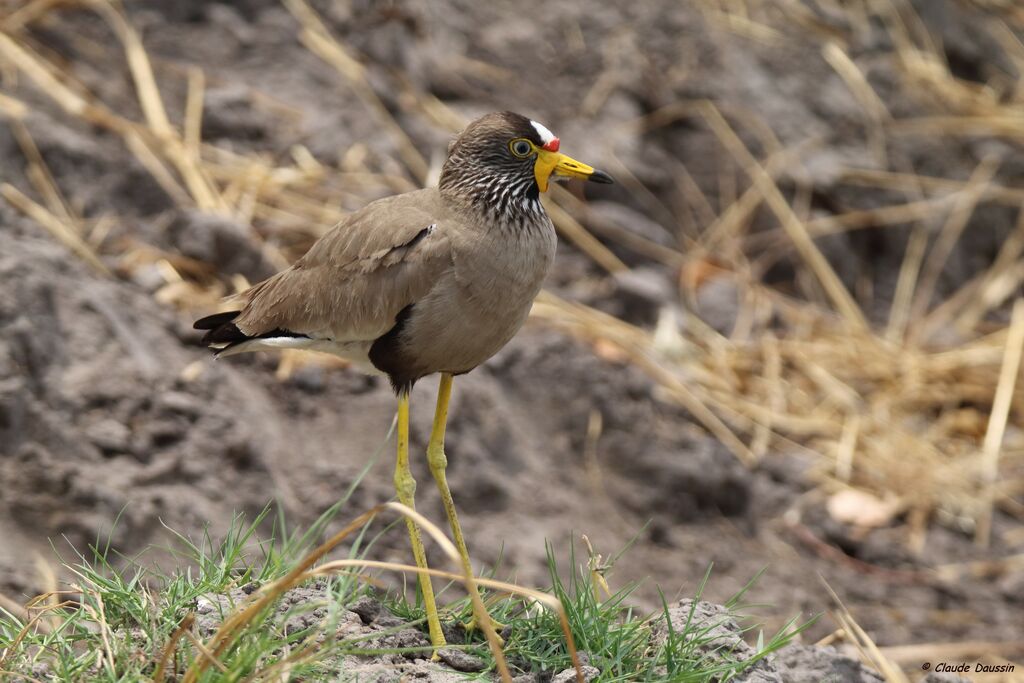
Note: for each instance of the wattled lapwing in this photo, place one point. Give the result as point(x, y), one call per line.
point(431, 281)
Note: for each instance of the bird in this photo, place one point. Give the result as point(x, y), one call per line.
point(432, 281)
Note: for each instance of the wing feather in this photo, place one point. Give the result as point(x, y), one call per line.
point(354, 281)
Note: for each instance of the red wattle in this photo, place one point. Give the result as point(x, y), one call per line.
point(552, 145)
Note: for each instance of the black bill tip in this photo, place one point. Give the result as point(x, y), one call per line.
point(600, 177)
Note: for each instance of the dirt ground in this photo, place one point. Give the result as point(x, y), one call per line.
point(367, 618)
point(110, 410)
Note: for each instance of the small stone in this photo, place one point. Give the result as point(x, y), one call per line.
point(309, 379)
point(109, 435)
point(413, 640)
point(590, 673)
point(204, 605)
point(148, 277)
point(178, 402)
point(798, 663)
point(231, 20)
point(366, 607)
point(720, 637)
point(42, 671)
point(1012, 587)
point(642, 292)
point(387, 620)
point(159, 434)
point(300, 623)
point(613, 215)
point(222, 242)
point(718, 302)
point(461, 660)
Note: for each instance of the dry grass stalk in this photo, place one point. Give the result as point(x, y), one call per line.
point(962, 211)
point(869, 651)
point(998, 282)
point(48, 580)
point(318, 39)
point(13, 108)
point(962, 651)
point(28, 13)
point(992, 445)
point(903, 297)
point(39, 175)
point(46, 76)
point(199, 185)
point(637, 344)
point(167, 654)
point(138, 64)
point(727, 226)
point(908, 182)
point(65, 233)
point(193, 133)
point(37, 619)
point(14, 607)
point(161, 174)
point(875, 110)
point(572, 229)
point(797, 231)
point(206, 655)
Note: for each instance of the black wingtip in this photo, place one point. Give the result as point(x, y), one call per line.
point(220, 329)
point(212, 322)
point(228, 333)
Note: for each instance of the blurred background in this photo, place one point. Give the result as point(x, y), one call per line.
point(788, 338)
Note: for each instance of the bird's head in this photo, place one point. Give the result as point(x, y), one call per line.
point(505, 159)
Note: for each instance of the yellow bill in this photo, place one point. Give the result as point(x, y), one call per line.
point(555, 163)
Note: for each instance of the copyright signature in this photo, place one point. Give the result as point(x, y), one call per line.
point(965, 667)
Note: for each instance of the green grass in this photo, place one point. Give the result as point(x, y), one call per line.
point(118, 620)
point(618, 641)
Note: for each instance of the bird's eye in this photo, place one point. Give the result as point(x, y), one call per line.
point(521, 147)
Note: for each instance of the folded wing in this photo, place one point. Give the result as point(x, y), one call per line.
point(351, 285)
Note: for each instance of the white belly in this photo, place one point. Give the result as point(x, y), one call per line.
point(356, 352)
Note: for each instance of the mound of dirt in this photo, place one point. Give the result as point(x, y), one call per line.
point(305, 609)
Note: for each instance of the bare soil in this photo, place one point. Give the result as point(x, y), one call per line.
point(109, 410)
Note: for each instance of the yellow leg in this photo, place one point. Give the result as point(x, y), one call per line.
point(405, 485)
point(438, 462)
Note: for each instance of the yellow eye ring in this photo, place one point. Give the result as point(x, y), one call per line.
point(521, 147)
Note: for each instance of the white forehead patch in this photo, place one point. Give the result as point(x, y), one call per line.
point(545, 134)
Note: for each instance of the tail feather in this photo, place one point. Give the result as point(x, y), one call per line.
point(220, 329)
point(223, 334)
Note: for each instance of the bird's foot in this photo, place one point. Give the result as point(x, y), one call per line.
point(471, 625)
point(437, 643)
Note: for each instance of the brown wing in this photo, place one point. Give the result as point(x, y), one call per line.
point(354, 281)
